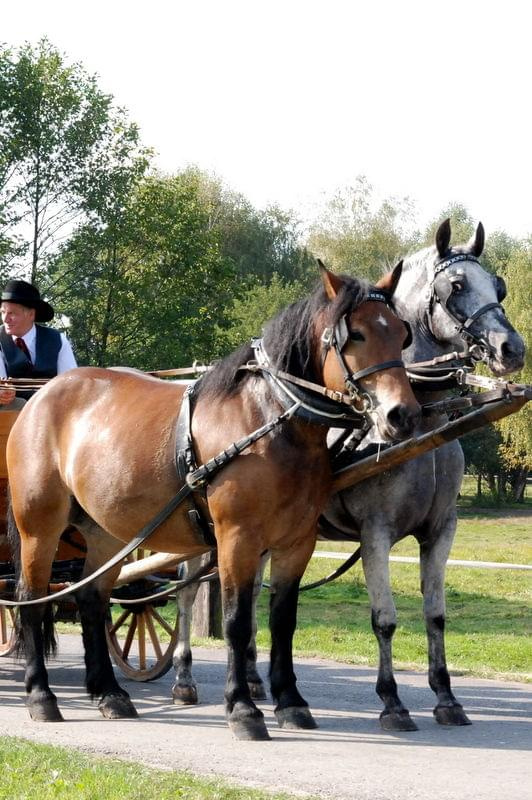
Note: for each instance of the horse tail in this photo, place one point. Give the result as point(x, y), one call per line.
point(47, 623)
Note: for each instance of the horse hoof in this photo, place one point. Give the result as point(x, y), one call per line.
point(247, 723)
point(257, 690)
point(117, 706)
point(45, 711)
point(397, 721)
point(250, 729)
point(451, 715)
point(184, 695)
point(296, 718)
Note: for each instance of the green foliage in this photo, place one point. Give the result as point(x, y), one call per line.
point(259, 243)
point(247, 314)
point(516, 430)
point(150, 287)
point(462, 225)
point(60, 138)
point(482, 457)
point(352, 236)
point(498, 251)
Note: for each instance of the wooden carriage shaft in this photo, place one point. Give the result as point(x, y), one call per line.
point(405, 451)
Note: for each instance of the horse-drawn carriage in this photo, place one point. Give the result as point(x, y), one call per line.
point(107, 463)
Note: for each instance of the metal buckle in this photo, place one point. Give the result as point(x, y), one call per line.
point(327, 337)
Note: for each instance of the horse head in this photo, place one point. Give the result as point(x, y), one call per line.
point(455, 303)
point(360, 349)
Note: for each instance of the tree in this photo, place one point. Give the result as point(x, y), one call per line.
point(259, 243)
point(147, 289)
point(354, 235)
point(247, 314)
point(59, 135)
point(462, 225)
point(482, 458)
point(516, 430)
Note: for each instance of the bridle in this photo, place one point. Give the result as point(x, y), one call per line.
point(337, 337)
point(441, 290)
point(315, 403)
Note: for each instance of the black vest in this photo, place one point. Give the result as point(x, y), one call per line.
point(47, 347)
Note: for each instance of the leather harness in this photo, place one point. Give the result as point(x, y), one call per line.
point(298, 397)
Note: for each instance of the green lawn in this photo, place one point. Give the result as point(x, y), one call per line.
point(42, 772)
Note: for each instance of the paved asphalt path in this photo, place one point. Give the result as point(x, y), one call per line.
point(347, 757)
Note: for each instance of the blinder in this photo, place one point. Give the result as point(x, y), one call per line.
point(408, 341)
point(500, 288)
point(442, 289)
point(338, 337)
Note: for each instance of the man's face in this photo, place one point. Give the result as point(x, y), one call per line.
point(17, 319)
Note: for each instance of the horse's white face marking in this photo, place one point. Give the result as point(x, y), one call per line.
point(382, 321)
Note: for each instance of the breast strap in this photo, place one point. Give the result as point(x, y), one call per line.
point(185, 463)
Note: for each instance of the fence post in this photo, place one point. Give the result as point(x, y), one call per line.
point(207, 611)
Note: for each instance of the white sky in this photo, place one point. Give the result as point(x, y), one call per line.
point(287, 99)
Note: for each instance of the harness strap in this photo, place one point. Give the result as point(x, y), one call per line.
point(337, 397)
point(362, 373)
point(478, 313)
point(139, 539)
point(185, 462)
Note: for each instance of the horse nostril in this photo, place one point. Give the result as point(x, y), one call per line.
point(508, 350)
point(402, 419)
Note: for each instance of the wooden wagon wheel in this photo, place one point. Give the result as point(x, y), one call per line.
point(7, 630)
point(134, 641)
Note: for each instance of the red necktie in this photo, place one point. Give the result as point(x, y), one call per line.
point(22, 345)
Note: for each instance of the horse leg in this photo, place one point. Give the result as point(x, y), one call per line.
point(433, 558)
point(291, 710)
point(93, 605)
point(238, 564)
point(184, 690)
point(35, 633)
point(255, 682)
point(375, 546)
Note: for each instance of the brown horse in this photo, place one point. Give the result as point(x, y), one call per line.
point(102, 445)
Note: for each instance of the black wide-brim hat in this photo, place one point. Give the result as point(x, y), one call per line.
point(25, 294)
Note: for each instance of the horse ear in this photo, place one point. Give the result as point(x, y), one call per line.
point(331, 283)
point(443, 237)
point(391, 279)
point(476, 243)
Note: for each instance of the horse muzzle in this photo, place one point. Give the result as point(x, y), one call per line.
point(507, 352)
point(398, 422)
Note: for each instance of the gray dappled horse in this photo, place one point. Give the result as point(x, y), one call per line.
point(450, 303)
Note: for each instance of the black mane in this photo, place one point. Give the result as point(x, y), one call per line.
point(287, 339)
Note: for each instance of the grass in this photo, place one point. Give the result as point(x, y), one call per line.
point(31, 771)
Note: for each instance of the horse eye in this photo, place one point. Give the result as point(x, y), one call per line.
point(356, 336)
point(457, 286)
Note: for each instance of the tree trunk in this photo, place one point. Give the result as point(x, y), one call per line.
point(519, 485)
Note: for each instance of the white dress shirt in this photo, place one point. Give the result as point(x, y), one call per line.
point(65, 358)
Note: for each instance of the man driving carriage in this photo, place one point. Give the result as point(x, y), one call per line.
point(29, 350)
